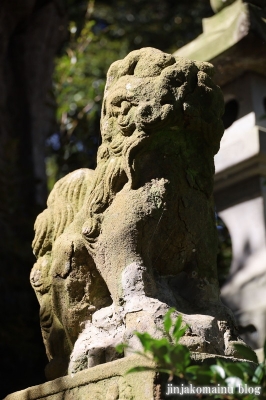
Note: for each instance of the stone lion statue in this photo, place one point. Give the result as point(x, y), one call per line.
point(116, 247)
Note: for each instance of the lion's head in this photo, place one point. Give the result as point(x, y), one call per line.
point(145, 92)
point(150, 89)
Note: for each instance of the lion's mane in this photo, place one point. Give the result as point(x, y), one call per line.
point(168, 94)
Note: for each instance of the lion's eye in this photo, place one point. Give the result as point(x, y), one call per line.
point(116, 105)
point(117, 101)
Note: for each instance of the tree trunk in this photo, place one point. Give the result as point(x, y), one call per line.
point(31, 32)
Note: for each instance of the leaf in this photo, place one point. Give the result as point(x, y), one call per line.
point(180, 357)
point(167, 321)
point(246, 352)
point(192, 371)
point(246, 368)
point(140, 353)
point(232, 369)
point(218, 370)
point(146, 340)
point(121, 347)
point(204, 375)
point(259, 374)
point(160, 352)
point(264, 350)
point(157, 344)
point(220, 362)
point(140, 369)
point(178, 334)
point(177, 325)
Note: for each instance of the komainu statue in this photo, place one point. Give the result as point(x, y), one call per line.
point(116, 247)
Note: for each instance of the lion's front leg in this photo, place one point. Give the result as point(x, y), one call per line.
point(124, 254)
point(124, 250)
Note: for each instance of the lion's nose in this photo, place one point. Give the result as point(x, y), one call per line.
point(146, 111)
point(125, 107)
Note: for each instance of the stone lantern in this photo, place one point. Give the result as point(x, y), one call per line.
point(234, 40)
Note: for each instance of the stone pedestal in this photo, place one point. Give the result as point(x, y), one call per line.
point(103, 382)
point(110, 381)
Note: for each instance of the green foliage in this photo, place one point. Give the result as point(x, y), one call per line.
point(246, 352)
point(173, 358)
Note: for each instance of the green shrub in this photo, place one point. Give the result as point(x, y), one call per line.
point(174, 359)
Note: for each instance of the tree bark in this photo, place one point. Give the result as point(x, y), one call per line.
point(31, 32)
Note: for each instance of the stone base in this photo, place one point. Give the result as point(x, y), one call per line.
point(103, 382)
point(110, 382)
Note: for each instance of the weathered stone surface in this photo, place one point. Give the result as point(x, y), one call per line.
point(111, 382)
point(118, 246)
point(104, 382)
point(75, 288)
point(228, 38)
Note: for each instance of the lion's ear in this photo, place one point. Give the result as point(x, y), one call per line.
point(121, 68)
